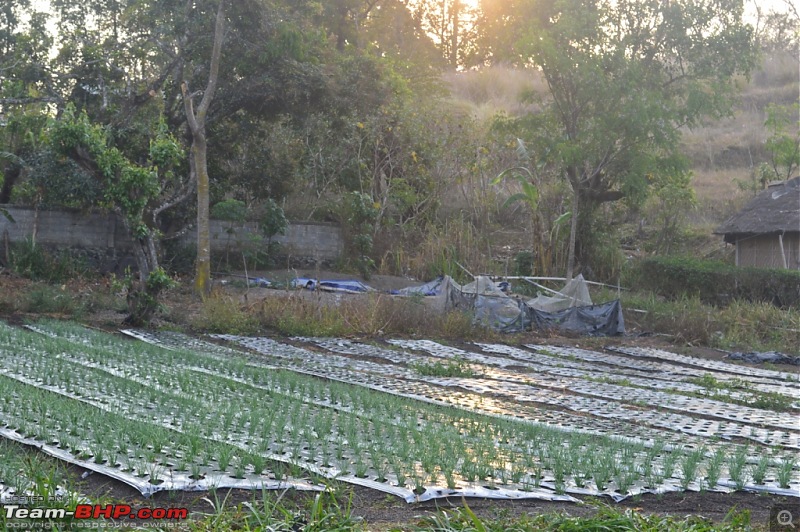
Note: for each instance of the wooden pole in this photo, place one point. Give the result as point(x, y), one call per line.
point(783, 250)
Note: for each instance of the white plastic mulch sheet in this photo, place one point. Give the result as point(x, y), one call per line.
point(230, 398)
point(308, 459)
point(585, 396)
point(716, 365)
point(369, 372)
point(466, 393)
point(661, 374)
point(370, 476)
point(174, 481)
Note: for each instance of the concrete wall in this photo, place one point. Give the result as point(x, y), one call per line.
point(64, 229)
point(305, 240)
point(106, 236)
point(764, 251)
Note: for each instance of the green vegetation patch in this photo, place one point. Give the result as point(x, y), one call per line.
point(718, 282)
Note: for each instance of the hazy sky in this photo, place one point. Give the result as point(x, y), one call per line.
point(765, 5)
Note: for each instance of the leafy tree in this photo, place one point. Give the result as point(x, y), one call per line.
point(394, 33)
point(25, 90)
point(451, 22)
point(623, 78)
point(137, 192)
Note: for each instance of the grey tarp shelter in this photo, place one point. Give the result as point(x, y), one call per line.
point(494, 308)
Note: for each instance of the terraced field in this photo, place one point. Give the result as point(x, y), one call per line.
point(414, 418)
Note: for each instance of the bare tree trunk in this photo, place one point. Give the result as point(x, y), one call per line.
point(202, 279)
point(455, 13)
point(197, 125)
point(573, 234)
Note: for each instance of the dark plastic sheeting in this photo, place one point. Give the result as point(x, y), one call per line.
point(493, 308)
point(771, 357)
point(594, 320)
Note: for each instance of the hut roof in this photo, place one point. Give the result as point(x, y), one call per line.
point(775, 210)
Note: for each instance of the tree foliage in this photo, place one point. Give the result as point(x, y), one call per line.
point(323, 102)
point(129, 188)
point(623, 79)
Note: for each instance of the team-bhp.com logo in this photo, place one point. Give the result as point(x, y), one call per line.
point(95, 511)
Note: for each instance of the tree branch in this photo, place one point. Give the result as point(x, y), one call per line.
point(216, 53)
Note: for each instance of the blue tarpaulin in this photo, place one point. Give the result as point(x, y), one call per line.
point(433, 288)
point(331, 285)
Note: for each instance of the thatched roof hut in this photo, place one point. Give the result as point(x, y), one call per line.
point(766, 232)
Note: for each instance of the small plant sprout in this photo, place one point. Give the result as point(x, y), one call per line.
point(154, 471)
point(689, 465)
point(714, 467)
point(602, 470)
point(239, 466)
point(196, 471)
point(258, 462)
point(668, 463)
point(128, 462)
point(759, 469)
point(736, 467)
point(785, 469)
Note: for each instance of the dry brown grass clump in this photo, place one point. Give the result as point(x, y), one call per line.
point(363, 315)
point(342, 315)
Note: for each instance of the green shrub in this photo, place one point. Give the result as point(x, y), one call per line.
point(716, 283)
point(33, 262)
point(44, 299)
point(740, 325)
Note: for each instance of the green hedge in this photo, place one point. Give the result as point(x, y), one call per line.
point(717, 282)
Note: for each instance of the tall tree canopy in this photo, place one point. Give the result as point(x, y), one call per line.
point(329, 98)
point(624, 78)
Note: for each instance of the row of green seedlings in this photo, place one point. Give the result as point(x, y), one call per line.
point(227, 420)
point(194, 410)
point(91, 384)
point(119, 388)
point(624, 477)
point(358, 463)
point(143, 449)
point(605, 468)
point(496, 408)
point(622, 481)
point(80, 431)
point(558, 469)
